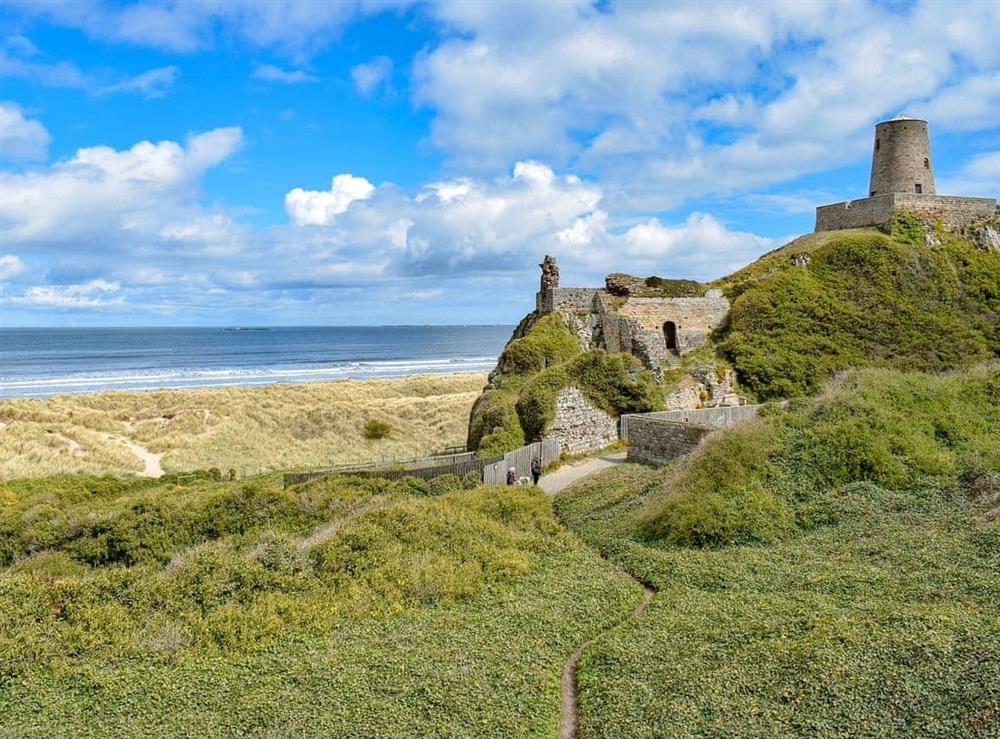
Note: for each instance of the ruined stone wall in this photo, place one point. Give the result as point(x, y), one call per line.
point(567, 299)
point(955, 213)
point(656, 441)
point(578, 426)
point(695, 318)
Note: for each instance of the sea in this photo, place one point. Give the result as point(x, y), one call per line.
point(38, 362)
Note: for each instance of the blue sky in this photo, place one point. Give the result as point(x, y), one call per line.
point(208, 162)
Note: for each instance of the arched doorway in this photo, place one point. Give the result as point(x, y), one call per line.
point(670, 335)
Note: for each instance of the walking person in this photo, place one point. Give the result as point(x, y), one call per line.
point(536, 469)
point(512, 476)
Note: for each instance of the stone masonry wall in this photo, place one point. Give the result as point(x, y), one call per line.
point(955, 213)
point(656, 441)
point(695, 318)
point(567, 299)
point(578, 425)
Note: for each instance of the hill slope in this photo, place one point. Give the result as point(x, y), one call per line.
point(863, 593)
point(861, 298)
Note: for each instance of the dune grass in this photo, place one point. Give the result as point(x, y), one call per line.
point(830, 570)
point(249, 429)
point(338, 607)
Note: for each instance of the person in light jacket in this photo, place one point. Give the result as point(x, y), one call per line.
point(512, 476)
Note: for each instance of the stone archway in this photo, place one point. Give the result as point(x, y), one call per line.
point(670, 337)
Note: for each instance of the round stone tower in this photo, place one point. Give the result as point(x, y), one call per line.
point(901, 159)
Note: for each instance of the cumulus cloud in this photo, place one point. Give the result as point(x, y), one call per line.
point(312, 207)
point(116, 200)
point(369, 76)
point(496, 226)
point(11, 266)
point(93, 294)
point(271, 73)
point(653, 98)
point(20, 137)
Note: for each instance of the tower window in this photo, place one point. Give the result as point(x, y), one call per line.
point(927, 163)
point(876, 144)
point(919, 187)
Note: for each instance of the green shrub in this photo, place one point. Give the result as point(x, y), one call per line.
point(615, 383)
point(872, 433)
point(544, 341)
point(375, 429)
point(865, 299)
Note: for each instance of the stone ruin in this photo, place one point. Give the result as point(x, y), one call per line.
point(658, 321)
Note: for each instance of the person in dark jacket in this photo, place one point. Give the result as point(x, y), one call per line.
point(536, 469)
point(512, 476)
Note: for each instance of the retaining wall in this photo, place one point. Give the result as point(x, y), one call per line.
point(658, 441)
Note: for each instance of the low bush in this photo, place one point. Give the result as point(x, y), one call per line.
point(375, 429)
point(881, 429)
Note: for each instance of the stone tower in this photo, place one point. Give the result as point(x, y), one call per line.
point(901, 159)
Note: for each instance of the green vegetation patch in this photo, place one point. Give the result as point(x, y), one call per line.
point(519, 403)
point(615, 383)
point(875, 607)
point(794, 469)
point(542, 341)
point(331, 608)
point(667, 288)
point(862, 299)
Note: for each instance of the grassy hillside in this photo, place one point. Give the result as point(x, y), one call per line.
point(833, 566)
point(340, 606)
point(843, 299)
point(254, 428)
point(543, 357)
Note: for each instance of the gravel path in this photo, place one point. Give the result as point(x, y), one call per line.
point(566, 475)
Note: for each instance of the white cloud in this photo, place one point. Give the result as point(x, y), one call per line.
point(271, 73)
point(295, 27)
point(980, 176)
point(11, 266)
point(20, 137)
point(481, 226)
point(653, 98)
point(151, 84)
point(369, 76)
point(970, 104)
point(312, 207)
point(47, 74)
point(114, 200)
point(93, 294)
point(31, 65)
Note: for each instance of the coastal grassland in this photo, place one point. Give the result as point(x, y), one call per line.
point(260, 428)
point(834, 567)
point(337, 607)
point(857, 298)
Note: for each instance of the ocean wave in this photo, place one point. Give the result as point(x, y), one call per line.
point(235, 376)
